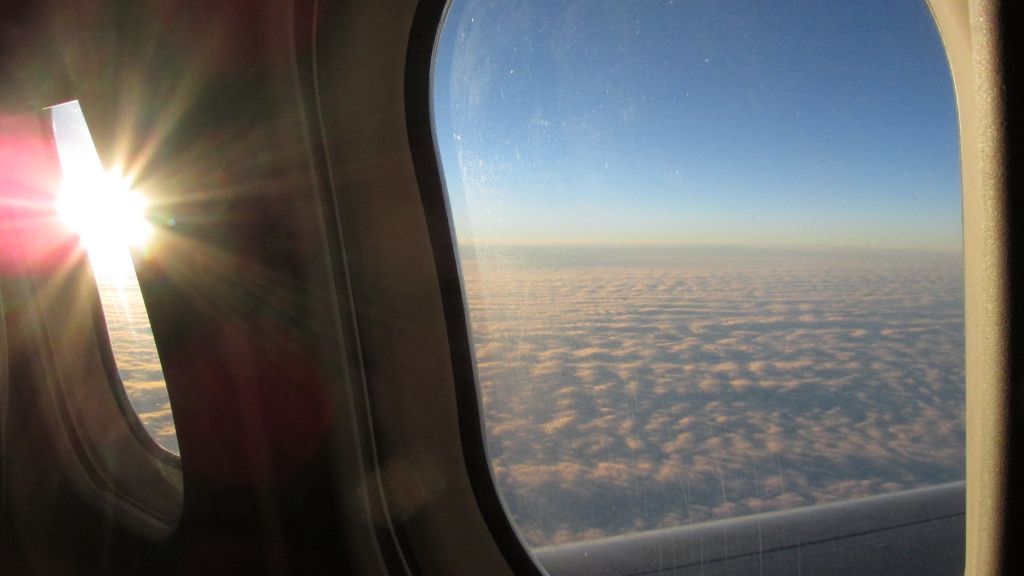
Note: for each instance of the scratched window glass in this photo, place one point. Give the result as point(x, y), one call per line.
point(712, 253)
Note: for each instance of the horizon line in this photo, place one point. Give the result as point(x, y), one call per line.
point(593, 243)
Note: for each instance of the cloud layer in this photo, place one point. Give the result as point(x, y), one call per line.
point(135, 353)
point(630, 390)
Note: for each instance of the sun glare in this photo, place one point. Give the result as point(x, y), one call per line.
point(105, 212)
point(99, 206)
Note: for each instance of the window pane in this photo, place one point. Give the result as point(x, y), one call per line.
point(109, 219)
point(712, 254)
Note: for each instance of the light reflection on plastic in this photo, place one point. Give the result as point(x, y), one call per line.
point(31, 234)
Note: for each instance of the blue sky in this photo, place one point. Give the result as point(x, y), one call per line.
point(828, 123)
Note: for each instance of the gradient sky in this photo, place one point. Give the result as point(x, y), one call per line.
point(828, 123)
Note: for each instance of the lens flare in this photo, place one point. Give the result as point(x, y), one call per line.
point(100, 206)
point(105, 212)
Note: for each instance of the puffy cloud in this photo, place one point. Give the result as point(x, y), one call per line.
point(630, 396)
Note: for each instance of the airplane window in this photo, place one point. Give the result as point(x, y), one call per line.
point(109, 218)
point(712, 254)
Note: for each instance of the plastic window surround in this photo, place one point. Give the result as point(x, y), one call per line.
point(104, 454)
point(971, 33)
point(375, 135)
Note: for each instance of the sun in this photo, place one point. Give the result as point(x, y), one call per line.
point(108, 216)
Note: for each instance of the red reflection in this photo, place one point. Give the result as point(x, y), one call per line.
point(30, 175)
point(259, 389)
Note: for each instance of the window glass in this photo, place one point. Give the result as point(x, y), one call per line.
point(711, 252)
point(109, 218)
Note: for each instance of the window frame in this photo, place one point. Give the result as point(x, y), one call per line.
point(103, 453)
point(106, 354)
point(987, 381)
